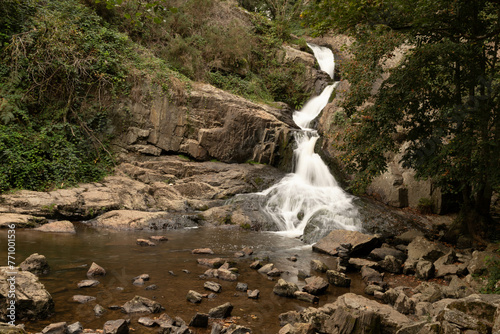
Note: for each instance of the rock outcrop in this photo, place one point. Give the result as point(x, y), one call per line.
point(33, 302)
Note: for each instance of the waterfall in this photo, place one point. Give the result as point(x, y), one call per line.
point(309, 201)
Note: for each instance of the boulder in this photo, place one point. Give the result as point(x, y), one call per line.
point(358, 263)
point(481, 261)
point(429, 292)
point(212, 263)
point(99, 310)
point(457, 289)
point(424, 270)
point(379, 254)
point(285, 289)
point(140, 304)
point(199, 320)
point(75, 328)
point(306, 297)
point(317, 265)
point(202, 251)
point(88, 283)
point(56, 328)
point(82, 299)
point(390, 319)
point(337, 278)
point(20, 220)
point(422, 249)
point(266, 268)
point(62, 226)
point(371, 276)
point(253, 294)
point(33, 301)
point(391, 264)
point(361, 243)
point(242, 286)
point(408, 236)
point(221, 312)
point(119, 326)
point(146, 321)
point(315, 285)
point(36, 264)
point(212, 286)
point(194, 297)
point(95, 270)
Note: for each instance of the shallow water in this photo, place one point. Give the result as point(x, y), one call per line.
point(70, 256)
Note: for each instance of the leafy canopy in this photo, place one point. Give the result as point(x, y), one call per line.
point(441, 99)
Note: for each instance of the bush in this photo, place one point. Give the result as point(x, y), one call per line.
point(425, 205)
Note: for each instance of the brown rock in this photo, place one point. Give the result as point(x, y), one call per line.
point(361, 243)
point(63, 226)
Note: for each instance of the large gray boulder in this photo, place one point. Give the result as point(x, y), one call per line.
point(361, 243)
point(33, 301)
point(422, 249)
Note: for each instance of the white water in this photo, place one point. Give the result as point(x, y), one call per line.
point(311, 195)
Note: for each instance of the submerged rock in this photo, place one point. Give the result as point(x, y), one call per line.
point(141, 304)
point(62, 226)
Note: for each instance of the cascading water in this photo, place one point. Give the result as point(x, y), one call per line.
point(309, 201)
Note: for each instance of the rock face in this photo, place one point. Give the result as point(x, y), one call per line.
point(33, 302)
point(166, 183)
point(20, 220)
point(361, 243)
point(207, 123)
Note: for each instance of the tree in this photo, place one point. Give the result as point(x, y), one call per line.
point(442, 98)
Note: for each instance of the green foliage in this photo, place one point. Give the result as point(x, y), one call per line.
point(425, 205)
point(52, 156)
point(442, 97)
point(493, 276)
point(15, 15)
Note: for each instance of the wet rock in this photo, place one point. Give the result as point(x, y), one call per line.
point(6, 328)
point(302, 274)
point(57, 227)
point(358, 263)
point(285, 289)
point(99, 310)
point(306, 297)
point(226, 275)
point(242, 286)
point(56, 328)
point(253, 294)
point(424, 270)
point(75, 328)
point(145, 242)
point(144, 277)
point(186, 271)
point(413, 328)
point(361, 243)
point(146, 321)
point(212, 263)
point(119, 326)
point(202, 251)
point(212, 286)
point(221, 312)
point(33, 301)
point(275, 272)
point(256, 264)
point(199, 320)
point(36, 264)
point(315, 285)
point(141, 304)
point(267, 268)
point(292, 258)
point(475, 312)
point(379, 254)
point(371, 276)
point(317, 265)
point(114, 307)
point(88, 283)
point(158, 238)
point(391, 264)
point(95, 270)
point(337, 278)
point(83, 299)
point(194, 297)
point(164, 320)
point(138, 282)
point(239, 254)
point(152, 287)
point(143, 220)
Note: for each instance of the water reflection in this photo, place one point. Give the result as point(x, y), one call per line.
point(70, 256)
